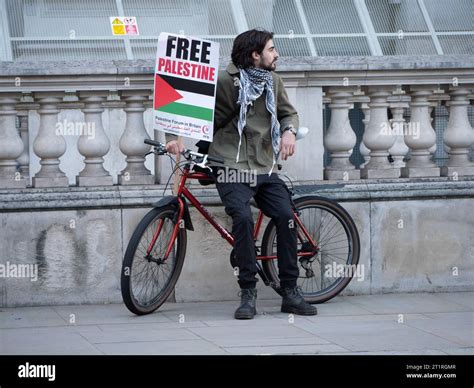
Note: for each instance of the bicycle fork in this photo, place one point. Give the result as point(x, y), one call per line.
point(178, 223)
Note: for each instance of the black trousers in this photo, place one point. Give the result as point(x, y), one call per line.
point(273, 198)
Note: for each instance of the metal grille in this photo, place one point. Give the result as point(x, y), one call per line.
point(279, 16)
point(178, 16)
point(225, 46)
point(394, 16)
point(440, 121)
point(288, 47)
point(470, 112)
point(326, 122)
point(324, 16)
point(57, 19)
point(68, 50)
point(454, 44)
point(221, 21)
point(451, 15)
point(59, 29)
point(144, 48)
point(407, 45)
point(163, 8)
point(350, 46)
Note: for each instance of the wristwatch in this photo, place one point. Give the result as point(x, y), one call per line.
point(291, 128)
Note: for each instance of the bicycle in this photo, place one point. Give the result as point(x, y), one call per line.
point(156, 251)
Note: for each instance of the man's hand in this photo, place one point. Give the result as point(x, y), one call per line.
point(173, 147)
point(287, 145)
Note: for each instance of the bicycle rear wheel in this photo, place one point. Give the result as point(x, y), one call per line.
point(329, 269)
point(147, 280)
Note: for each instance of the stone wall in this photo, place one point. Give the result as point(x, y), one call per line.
point(415, 236)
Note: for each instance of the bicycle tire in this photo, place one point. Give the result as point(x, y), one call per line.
point(134, 257)
point(350, 229)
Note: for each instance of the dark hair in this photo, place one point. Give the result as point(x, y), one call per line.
point(246, 43)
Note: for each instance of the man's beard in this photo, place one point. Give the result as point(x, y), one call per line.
point(270, 67)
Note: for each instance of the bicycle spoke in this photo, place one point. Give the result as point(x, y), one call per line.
point(327, 226)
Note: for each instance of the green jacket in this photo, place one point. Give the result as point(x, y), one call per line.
point(256, 148)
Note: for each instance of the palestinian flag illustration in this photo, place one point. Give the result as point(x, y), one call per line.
point(184, 97)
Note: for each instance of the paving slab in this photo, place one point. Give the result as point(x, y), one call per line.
point(287, 349)
point(457, 327)
point(45, 344)
point(411, 324)
point(408, 303)
point(373, 335)
point(139, 336)
point(103, 314)
point(189, 347)
point(29, 317)
point(257, 336)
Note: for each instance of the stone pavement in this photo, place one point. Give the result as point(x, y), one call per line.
point(422, 323)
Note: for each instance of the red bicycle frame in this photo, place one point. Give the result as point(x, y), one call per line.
point(183, 191)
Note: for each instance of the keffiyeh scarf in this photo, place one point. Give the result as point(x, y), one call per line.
point(253, 81)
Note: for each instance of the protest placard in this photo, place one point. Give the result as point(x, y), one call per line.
point(185, 86)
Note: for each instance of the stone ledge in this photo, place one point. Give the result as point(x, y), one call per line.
point(75, 76)
point(146, 66)
point(142, 196)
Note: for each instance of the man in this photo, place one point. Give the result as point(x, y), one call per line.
point(262, 130)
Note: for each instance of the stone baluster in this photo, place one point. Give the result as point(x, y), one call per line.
point(420, 136)
point(93, 143)
point(364, 151)
point(399, 148)
point(49, 144)
point(458, 135)
point(378, 136)
point(340, 138)
point(131, 143)
point(11, 145)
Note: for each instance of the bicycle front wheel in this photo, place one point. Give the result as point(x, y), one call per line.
point(325, 271)
point(148, 279)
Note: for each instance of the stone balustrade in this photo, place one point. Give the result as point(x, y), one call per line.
point(38, 94)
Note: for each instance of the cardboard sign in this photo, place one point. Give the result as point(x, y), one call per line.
point(185, 86)
point(124, 25)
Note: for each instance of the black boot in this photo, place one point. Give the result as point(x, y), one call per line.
point(293, 302)
point(246, 309)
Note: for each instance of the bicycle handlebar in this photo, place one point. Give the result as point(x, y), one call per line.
point(153, 143)
point(186, 153)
